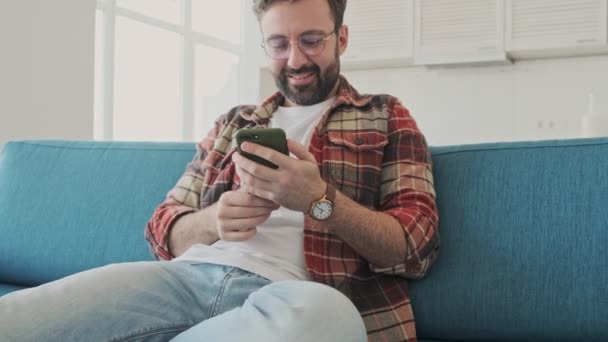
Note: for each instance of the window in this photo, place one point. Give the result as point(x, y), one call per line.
point(165, 69)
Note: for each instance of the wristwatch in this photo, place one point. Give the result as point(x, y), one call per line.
point(322, 208)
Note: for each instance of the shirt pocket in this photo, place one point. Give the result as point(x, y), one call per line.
point(354, 164)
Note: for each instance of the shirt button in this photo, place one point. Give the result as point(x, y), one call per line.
point(359, 141)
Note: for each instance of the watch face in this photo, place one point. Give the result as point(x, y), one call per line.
point(322, 210)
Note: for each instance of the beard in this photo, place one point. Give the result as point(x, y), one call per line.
point(316, 91)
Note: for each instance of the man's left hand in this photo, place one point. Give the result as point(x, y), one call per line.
point(294, 185)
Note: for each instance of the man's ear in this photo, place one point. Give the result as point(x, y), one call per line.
point(342, 39)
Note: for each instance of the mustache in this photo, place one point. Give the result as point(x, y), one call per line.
point(301, 70)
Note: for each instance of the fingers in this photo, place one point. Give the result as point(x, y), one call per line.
point(235, 213)
point(267, 153)
point(300, 151)
point(239, 213)
point(238, 235)
point(231, 229)
point(245, 199)
point(251, 171)
point(248, 176)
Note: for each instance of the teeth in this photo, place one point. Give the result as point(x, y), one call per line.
point(299, 77)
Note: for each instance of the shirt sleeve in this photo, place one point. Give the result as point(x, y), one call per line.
point(408, 194)
point(183, 199)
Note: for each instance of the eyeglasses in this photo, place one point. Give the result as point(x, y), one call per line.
point(311, 44)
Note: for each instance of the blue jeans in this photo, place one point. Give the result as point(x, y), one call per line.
point(162, 301)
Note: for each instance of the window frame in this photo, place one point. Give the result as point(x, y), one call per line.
point(104, 98)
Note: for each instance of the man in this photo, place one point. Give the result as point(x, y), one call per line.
point(251, 259)
point(384, 221)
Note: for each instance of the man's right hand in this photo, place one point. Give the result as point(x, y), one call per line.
point(234, 217)
point(239, 213)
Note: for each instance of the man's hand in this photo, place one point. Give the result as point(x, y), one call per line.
point(294, 185)
point(239, 213)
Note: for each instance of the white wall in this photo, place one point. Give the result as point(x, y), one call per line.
point(529, 100)
point(46, 69)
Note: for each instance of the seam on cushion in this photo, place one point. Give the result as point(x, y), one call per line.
point(521, 146)
point(142, 148)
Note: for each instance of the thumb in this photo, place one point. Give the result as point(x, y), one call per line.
point(300, 151)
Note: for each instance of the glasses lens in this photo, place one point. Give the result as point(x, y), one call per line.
point(312, 46)
point(277, 49)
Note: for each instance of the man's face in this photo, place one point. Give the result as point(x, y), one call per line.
point(305, 74)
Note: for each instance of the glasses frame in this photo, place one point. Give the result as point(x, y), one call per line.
point(321, 41)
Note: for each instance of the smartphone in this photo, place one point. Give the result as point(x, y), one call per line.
point(273, 138)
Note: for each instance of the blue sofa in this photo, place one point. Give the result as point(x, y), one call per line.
point(524, 229)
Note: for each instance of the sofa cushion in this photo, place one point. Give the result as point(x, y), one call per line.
point(524, 232)
point(7, 288)
point(67, 206)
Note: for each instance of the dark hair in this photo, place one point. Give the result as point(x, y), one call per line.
point(337, 9)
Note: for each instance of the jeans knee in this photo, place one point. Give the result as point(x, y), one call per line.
point(322, 304)
point(321, 298)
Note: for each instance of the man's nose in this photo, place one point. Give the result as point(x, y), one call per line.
point(296, 57)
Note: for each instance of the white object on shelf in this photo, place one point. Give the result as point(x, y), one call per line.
point(456, 32)
point(593, 125)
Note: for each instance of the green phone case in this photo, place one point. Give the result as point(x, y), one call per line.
point(273, 138)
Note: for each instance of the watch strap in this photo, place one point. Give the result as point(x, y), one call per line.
point(330, 193)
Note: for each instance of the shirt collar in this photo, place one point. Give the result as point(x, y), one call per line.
point(346, 95)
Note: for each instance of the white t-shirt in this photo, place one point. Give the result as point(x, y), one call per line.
point(276, 251)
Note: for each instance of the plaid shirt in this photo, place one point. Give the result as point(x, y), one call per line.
point(371, 150)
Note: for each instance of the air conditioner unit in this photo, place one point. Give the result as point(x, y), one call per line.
point(556, 28)
point(381, 33)
point(457, 32)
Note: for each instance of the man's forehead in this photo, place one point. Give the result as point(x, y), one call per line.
point(290, 19)
point(312, 32)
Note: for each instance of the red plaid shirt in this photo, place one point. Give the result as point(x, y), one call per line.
point(371, 150)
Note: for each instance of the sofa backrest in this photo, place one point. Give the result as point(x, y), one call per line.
point(68, 206)
point(524, 238)
point(524, 228)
